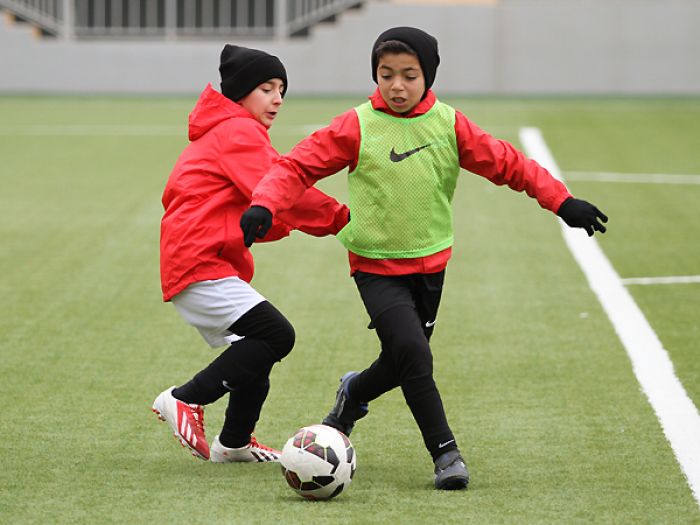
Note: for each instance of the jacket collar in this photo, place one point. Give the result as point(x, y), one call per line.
point(421, 108)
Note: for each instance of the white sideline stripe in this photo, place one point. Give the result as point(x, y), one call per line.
point(675, 279)
point(129, 130)
point(652, 366)
point(145, 130)
point(295, 129)
point(80, 130)
point(636, 178)
point(308, 129)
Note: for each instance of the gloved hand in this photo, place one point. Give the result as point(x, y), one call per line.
point(255, 222)
point(581, 214)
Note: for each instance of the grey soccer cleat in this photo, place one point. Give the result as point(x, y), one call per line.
point(450, 471)
point(345, 411)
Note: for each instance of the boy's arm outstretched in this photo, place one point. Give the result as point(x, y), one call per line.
point(501, 163)
point(287, 186)
point(315, 213)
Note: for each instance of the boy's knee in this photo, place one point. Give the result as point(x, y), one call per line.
point(282, 338)
point(267, 324)
point(413, 356)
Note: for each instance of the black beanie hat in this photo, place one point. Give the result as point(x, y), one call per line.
point(243, 69)
point(425, 46)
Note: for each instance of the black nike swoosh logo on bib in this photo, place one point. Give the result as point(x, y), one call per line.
point(398, 157)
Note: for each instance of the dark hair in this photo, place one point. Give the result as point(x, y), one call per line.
point(393, 47)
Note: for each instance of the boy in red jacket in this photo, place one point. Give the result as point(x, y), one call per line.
point(205, 266)
point(404, 150)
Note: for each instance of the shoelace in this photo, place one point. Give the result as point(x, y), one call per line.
point(198, 413)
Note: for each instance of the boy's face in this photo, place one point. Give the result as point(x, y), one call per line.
point(401, 82)
point(264, 101)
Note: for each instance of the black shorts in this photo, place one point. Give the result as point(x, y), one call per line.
point(421, 291)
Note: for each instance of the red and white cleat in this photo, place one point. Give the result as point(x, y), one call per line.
point(187, 422)
point(253, 451)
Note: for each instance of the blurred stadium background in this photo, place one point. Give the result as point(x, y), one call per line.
point(488, 46)
point(556, 424)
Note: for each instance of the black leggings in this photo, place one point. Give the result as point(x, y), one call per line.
point(243, 371)
point(403, 310)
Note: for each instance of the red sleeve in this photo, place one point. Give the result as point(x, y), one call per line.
point(316, 213)
point(247, 159)
point(323, 153)
point(278, 230)
point(501, 163)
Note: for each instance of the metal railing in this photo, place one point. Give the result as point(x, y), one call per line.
point(174, 19)
point(301, 15)
point(47, 15)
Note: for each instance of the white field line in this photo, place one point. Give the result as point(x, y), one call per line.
point(651, 364)
point(308, 129)
point(146, 130)
point(90, 130)
point(675, 279)
point(295, 129)
point(636, 178)
point(129, 130)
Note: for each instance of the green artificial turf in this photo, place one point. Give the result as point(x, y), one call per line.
point(538, 389)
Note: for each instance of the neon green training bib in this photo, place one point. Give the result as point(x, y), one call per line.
point(401, 189)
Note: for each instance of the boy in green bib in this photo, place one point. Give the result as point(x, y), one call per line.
point(404, 150)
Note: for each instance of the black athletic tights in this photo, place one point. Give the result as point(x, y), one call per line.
point(243, 370)
point(403, 310)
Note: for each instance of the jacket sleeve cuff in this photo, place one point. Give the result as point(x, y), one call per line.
point(559, 201)
point(342, 218)
point(264, 204)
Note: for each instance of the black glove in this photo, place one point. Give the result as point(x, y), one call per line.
point(255, 222)
point(581, 214)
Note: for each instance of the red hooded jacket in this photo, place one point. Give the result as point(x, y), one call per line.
point(209, 189)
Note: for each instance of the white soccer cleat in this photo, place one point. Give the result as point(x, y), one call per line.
point(187, 422)
point(253, 451)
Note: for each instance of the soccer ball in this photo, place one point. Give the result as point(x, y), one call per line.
point(318, 462)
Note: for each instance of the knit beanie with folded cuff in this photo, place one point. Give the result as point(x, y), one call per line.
point(425, 46)
point(243, 69)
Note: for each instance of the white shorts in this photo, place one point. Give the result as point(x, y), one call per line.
point(213, 306)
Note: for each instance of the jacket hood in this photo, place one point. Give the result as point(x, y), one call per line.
point(211, 109)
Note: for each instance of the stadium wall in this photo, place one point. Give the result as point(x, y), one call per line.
point(499, 47)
